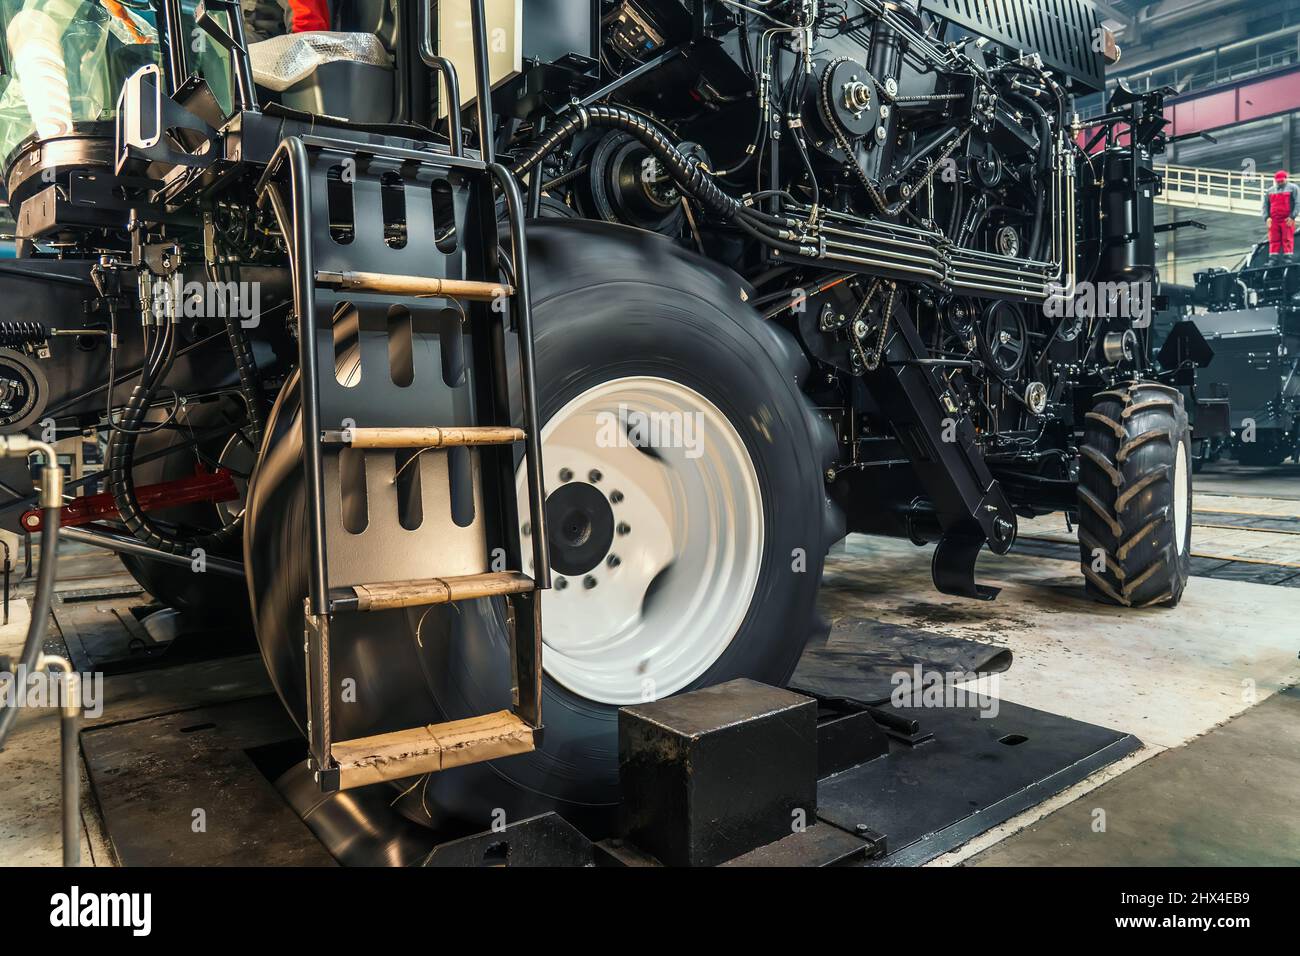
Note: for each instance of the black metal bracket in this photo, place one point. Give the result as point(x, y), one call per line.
point(953, 567)
point(145, 120)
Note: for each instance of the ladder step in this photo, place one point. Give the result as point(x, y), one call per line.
point(409, 753)
point(453, 437)
point(385, 284)
point(399, 594)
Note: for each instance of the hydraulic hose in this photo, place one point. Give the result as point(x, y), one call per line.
point(1044, 124)
point(249, 379)
point(51, 508)
point(687, 174)
point(121, 463)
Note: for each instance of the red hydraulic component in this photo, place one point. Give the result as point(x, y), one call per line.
point(214, 486)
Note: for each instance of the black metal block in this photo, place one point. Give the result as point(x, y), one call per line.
point(847, 735)
point(714, 773)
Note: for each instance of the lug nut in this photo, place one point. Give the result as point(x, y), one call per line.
point(560, 583)
point(594, 476)
point(616, 497)
point(613, 561)
point(624, 527)
point(589, 582)
point(566, 474)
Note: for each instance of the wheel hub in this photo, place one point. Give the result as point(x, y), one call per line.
point(656, 534)
point(580, 528)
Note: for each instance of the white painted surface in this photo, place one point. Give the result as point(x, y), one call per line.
point(1166, 675)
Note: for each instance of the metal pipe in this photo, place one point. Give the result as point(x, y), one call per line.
point(70, 756)
point(483, 82)
point(302, 263)
point(1148, 70)
point(101, 537)
point(241, 64)
point(528, 384)
point(447, 70)
point(172, 18)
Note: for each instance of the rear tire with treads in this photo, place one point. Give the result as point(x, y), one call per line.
point(1135, 496)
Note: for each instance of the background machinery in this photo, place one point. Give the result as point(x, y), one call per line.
point(1251, 318)
point(669, 298)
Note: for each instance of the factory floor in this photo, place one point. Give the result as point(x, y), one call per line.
point(1208, 687)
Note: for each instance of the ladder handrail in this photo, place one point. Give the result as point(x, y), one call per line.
point(447, 70)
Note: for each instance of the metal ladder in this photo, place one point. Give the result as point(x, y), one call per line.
point(408, 390)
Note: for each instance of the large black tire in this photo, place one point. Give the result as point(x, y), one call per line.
point(608, 302)
point(215, 596)
point(1135, 496)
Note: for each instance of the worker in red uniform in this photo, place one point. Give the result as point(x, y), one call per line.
point(1281, 207)
point(264, 19)
point(310, 15)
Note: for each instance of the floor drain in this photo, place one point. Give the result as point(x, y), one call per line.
point(1012, 740)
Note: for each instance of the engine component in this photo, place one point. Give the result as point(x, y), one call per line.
point(1036, 397)
point(845, 104)
point(627, 183)
point(1119, 347)
point(1004, 341)
point(23, 390)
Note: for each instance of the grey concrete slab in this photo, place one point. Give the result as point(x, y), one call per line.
point(1229, 478)
point(1228, 798)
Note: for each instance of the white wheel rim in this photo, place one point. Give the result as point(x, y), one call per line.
point(688, 520)
point(1182, 481)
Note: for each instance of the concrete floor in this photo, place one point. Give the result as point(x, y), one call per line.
point(1205, 687)
point(30, 798)
point(1228, 798)
point(1229, 478)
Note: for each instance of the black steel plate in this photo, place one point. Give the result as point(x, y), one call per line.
point(150, 776)
point(934, 797)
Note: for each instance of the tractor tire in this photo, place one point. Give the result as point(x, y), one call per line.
point(1135, 496)
point(214, 596)
point(622, 318)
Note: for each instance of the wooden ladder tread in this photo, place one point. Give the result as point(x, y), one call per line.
point(386, 284)
point(455, 436)
point(429, 749)
point(390, 595)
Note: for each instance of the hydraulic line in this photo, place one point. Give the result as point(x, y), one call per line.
point(687, 174)
point(121, 464)
point(51, 508)
point(1044, 124)
point(250, 385)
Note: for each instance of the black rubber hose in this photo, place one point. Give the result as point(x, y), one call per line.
point(250, 385)
point(36, 627)
point(687, 174)
point(121, 464)
point(1044, 166)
